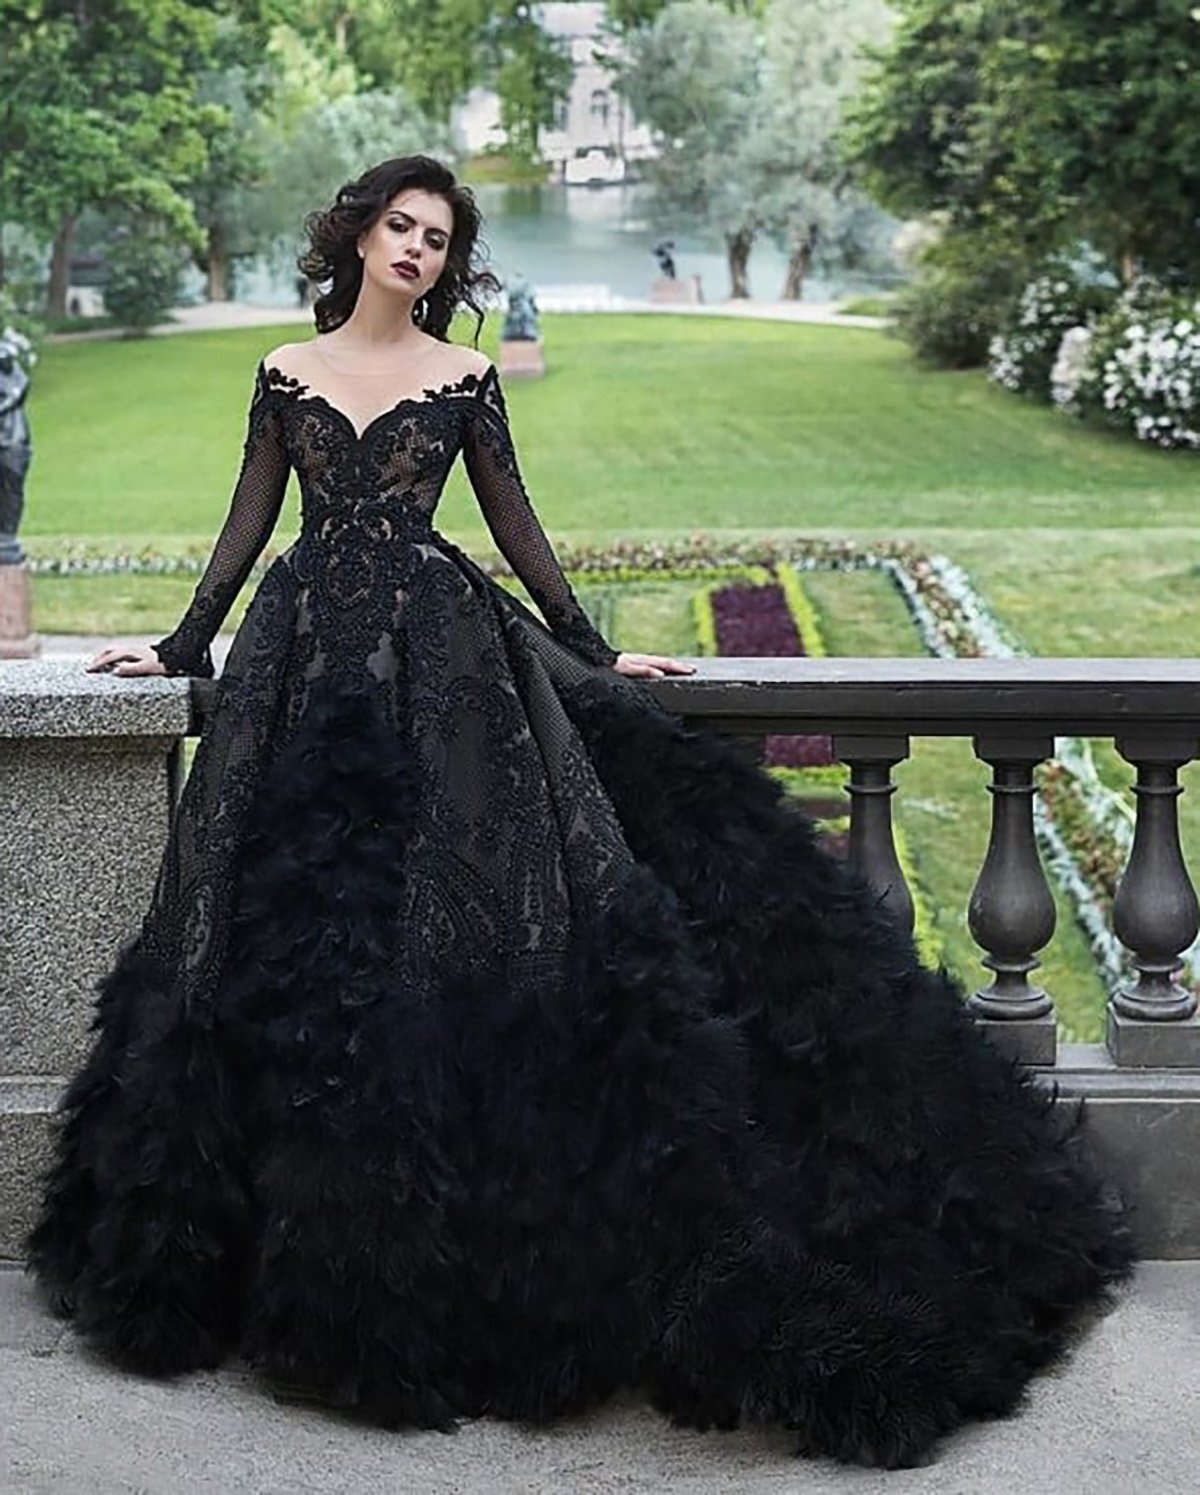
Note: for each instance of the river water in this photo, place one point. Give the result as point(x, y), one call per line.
point(584, 243)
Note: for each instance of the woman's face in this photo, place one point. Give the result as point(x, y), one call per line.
point(415, 227)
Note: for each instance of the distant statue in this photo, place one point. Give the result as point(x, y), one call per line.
point(15, 447)
point(520, 320)
point(666, 260)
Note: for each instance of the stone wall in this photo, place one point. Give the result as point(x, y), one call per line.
point(88, 765)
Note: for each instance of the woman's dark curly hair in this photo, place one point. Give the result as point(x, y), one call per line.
point(332, 253)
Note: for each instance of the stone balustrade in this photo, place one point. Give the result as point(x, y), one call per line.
point(90, 766)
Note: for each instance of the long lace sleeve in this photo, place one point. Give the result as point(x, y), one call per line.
point(257, 499)
point(491, 463)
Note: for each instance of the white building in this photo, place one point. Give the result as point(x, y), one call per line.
point(595, 134)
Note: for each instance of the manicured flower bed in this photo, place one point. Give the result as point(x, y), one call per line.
point(756, 622)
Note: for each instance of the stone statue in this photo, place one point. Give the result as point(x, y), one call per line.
point(666, 260)
point(15, 447)
point(520, 320)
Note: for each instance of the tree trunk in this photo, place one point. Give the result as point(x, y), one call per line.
point(60, 267)
point(216, 265)
point(799, 264)
point(1128, 266)
point(737, 247)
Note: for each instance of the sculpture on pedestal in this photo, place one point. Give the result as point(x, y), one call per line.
point(15, 447)
point(520, 320)
point(521, 338)
point(667, 288)
point(17, 640)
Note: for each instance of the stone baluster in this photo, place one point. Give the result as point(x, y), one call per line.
point(872, 845)
point(1011, 913)
point(1152, 1020)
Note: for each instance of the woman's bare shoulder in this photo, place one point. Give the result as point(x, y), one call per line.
point(475, 361)
point(288, 358)
point(457, 361)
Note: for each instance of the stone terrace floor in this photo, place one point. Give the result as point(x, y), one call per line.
point(1119, 1418)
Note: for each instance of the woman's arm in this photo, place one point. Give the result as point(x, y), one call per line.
point(491, 463)
point(253, 510)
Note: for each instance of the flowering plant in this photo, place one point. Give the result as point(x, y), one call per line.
point(1143, 367)
point(1022, 355)
point(1070, 366)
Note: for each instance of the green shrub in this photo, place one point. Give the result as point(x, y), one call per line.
point(144, 278)
point(960, 298)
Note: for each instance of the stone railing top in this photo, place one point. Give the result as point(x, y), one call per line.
point(59, 698)
point(950, 697)
point(939, 697)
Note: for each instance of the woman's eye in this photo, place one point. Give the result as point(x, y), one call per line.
point(437, 243)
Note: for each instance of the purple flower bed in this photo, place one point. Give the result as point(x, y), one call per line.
point(754, 621)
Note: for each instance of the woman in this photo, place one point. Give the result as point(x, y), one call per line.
point(493, 1039)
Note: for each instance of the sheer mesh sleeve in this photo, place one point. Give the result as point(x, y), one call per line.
point(491, 464)
point(253, 510)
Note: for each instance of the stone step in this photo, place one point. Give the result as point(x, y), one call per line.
point(1119, 1416)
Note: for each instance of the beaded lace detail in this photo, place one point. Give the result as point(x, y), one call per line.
point(380, 481)
point(513, 826)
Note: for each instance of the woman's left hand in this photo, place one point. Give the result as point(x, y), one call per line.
point(650, 666)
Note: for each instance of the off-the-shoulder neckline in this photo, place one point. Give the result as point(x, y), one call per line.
point(271, 377)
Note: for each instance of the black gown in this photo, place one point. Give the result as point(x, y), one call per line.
point(495, 1039)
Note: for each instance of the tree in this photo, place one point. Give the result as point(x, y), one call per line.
point(693, 75)
point(1040, 122)
point(239, 155)
point(260, 178)
point(435, 52)
point(1118, 110)
point(532, 74)
point(628, 15)
point(98, 108)
point(812, 62)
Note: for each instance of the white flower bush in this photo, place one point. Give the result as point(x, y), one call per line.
point(1143, 372)
point(1070, 367)
point(1022, 355)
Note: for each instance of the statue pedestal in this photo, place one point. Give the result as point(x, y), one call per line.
point(674, 292)
point(522, 358)
point(17, 641)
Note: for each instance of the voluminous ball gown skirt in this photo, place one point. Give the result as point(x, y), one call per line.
point(495, 1040)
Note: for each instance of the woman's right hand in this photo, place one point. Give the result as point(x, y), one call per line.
point(127, 659)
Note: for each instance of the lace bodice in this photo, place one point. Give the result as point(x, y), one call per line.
point(384, 482)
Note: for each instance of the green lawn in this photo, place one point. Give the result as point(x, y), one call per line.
point(655, 426)
point(662, 422)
